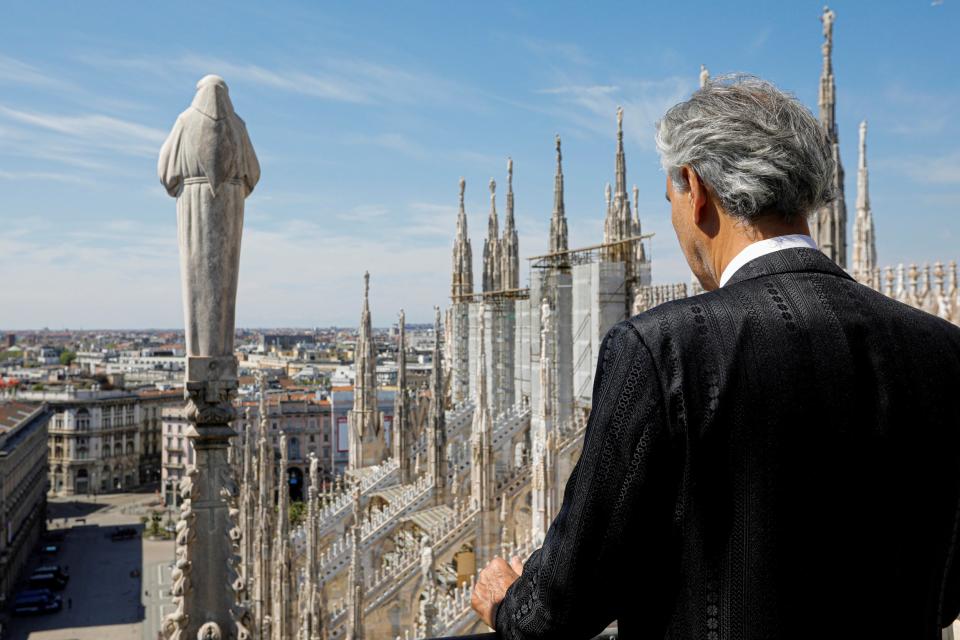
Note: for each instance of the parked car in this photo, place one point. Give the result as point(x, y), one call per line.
point(36, 601)
point(55, 569)
point(124, 533)
point(46, 581)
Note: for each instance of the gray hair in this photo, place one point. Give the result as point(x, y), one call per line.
point(757, 148)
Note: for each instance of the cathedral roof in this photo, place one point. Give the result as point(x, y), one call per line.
point(430, 517)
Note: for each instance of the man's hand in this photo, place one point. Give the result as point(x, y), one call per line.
point(492, 586)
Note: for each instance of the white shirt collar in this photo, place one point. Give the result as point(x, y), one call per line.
point(762, 248)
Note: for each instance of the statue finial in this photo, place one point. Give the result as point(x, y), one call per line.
point(827, 19)
point(493, 186)
point(558, 148)
point(704, 76)
point(366, 284)
point(509, 170)
point(463, 187)
point(620, 122)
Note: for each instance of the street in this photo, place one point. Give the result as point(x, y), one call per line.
point(117, 588)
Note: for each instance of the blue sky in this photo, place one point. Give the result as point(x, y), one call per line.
point(364, 117)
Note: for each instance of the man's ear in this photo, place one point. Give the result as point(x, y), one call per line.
point(699, 198)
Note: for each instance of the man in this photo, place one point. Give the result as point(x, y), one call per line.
point(776, 458)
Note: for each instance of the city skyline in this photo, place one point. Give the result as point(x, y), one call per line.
point(365, 129)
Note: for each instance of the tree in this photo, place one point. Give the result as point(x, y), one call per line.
point(298, 512)
point(67, 357)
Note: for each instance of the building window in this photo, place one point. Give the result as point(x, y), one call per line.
point(313, 438)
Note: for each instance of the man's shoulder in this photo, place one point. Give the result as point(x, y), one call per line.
point(677, 317)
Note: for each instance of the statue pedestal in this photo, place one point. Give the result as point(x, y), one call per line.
point(206, 583)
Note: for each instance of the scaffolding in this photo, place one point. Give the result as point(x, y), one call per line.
point(581, 255)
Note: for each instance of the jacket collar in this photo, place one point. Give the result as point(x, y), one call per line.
point(792, 260)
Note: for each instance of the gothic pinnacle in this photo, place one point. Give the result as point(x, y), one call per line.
point(558, 221)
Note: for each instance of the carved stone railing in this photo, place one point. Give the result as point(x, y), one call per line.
point(506, 425)
point(454, 613)
point(515, 480)
point(572, 434)
point(337, 555)
point(652, 295)
point(457, 420)
point(340, 507)
point(931, 289)
point(388, 580)
point(606, 635)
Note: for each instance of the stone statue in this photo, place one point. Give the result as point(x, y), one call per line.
point(827, 19)
point(208, 164)
point(426, 563)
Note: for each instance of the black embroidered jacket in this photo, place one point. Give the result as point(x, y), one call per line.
point(774, 459)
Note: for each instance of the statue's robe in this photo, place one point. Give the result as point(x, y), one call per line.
point(209, 165)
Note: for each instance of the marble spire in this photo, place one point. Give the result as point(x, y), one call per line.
point(864, 242)
point(248, 505)
point(282, 626)
point(558, 221)
point(436, 428)
point(828, 226)
point(483, 462)
point(827, 98)
point(509, 245)
point(355, 576)
point(618, 221)
point(608, 198)
point(312, 615)
point(265, 514)
point(402, 431)
point(540, 428)
point(460, 293)
point(639, 248)
point(462, 279)
point(367, 441)
point(491, 246)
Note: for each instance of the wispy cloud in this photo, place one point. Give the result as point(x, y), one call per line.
point(392, 141)
point(95, 129)
point(931, 170)
point(556, 52)
point(759, 40)
point(18, 72)
point(333, 78)
point(16, 176)
point(365, 213)
point(593, 106)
